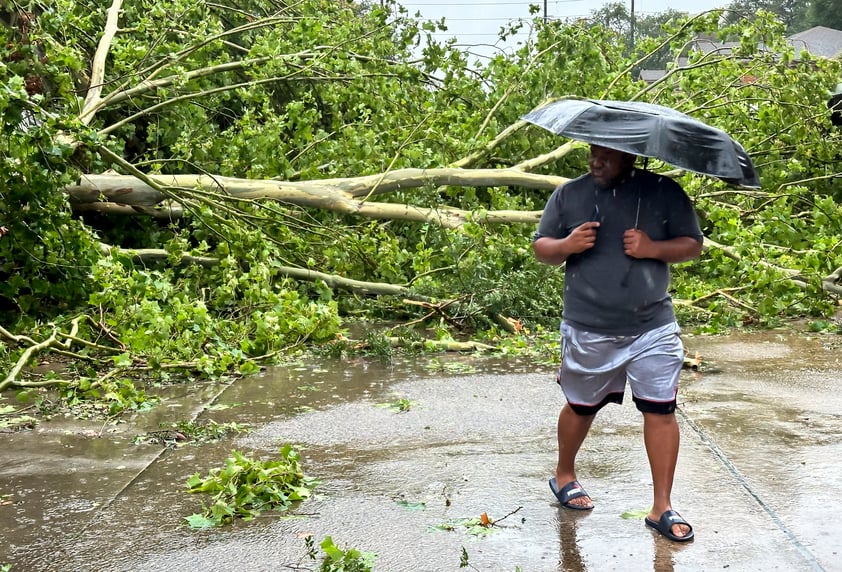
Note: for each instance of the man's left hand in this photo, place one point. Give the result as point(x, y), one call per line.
point(637, 244)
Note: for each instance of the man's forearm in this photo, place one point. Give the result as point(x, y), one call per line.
point(679, 249)
point(551, 250)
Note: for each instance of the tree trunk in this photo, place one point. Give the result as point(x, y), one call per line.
point(350, 195)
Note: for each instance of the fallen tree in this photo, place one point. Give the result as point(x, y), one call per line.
point(346, 196)
point(343, 196)
point(235, 185)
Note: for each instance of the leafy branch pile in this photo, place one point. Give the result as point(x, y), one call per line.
point(196, 432)
point(337, 559)
point(244, 488)
point(200, 188)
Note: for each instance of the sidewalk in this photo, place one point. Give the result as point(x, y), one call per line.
point(759, 474)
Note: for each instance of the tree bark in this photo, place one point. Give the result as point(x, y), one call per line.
point(348, 195)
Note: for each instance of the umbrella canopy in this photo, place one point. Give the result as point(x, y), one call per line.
point(650, 130)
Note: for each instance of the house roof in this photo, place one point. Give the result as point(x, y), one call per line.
point(819, 41)
point(706, 46)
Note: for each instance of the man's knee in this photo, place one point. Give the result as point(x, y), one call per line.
point(660, 422)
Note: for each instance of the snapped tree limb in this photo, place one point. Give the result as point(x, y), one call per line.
point(339, 195)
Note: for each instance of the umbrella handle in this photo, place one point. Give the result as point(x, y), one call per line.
point(625, 281)
point(637, 214)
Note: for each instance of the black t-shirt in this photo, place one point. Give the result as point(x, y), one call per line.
point(606, 291)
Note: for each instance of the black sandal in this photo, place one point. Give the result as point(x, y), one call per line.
point(664, 525)
point(570, 491)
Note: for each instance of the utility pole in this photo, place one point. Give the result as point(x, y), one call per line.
point(631, 27)
point(545, 12)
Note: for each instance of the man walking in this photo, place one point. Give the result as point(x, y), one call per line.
point(617, 229)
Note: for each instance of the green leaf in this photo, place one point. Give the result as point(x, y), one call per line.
point(198, 521)
point(636, 514)
point(413, 506)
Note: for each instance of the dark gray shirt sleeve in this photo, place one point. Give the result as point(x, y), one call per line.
point(683, 220)
point(552, 219)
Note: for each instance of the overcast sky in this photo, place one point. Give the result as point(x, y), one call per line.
point(476, 22)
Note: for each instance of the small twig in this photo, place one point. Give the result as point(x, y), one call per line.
point(435, 309)
point(45, 383)
point(17, 339)
point(502, 518)
point(106, 422)
point(736, 302)
point(105, 329)
point(76, 356)
point(25, 357)
point(81, 341)
point(411, 323)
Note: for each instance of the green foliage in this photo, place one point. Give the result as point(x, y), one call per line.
point(449, 367)
point(791, 13)
point(636, 514)
point(337, 559)
point(14, 419)
point(91, 398)
point(400, 405)
point(46, 254)
point(539, 344)
point(245, 487)
point(217, 319)
point(329, 89)
point(826, 13)
point(196, 432)
point(825, 326)
point(473, 526)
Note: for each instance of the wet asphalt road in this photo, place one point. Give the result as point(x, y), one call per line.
point(759, 473)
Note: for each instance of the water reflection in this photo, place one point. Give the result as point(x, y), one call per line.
point(664, 561)
point(571, 559)
point(571, 556)
point(665, 551)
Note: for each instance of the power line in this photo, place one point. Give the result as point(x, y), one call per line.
point(494, 34)
point(524, 18)
point(446, 20)
point(472, 19)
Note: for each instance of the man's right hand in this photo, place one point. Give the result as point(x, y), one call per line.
point(582, 238)
point(556, 250)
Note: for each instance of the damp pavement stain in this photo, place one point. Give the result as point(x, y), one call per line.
point(759, 473)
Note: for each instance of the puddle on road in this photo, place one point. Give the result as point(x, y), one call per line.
point(479, 436)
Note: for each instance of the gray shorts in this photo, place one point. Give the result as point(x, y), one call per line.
point(595, 367)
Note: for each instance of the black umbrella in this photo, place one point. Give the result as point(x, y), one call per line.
point(650, 130)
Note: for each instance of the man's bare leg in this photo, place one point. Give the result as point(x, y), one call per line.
point(572, 430)
point(661, 436)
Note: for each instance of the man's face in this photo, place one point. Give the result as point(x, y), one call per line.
point(608, 165)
